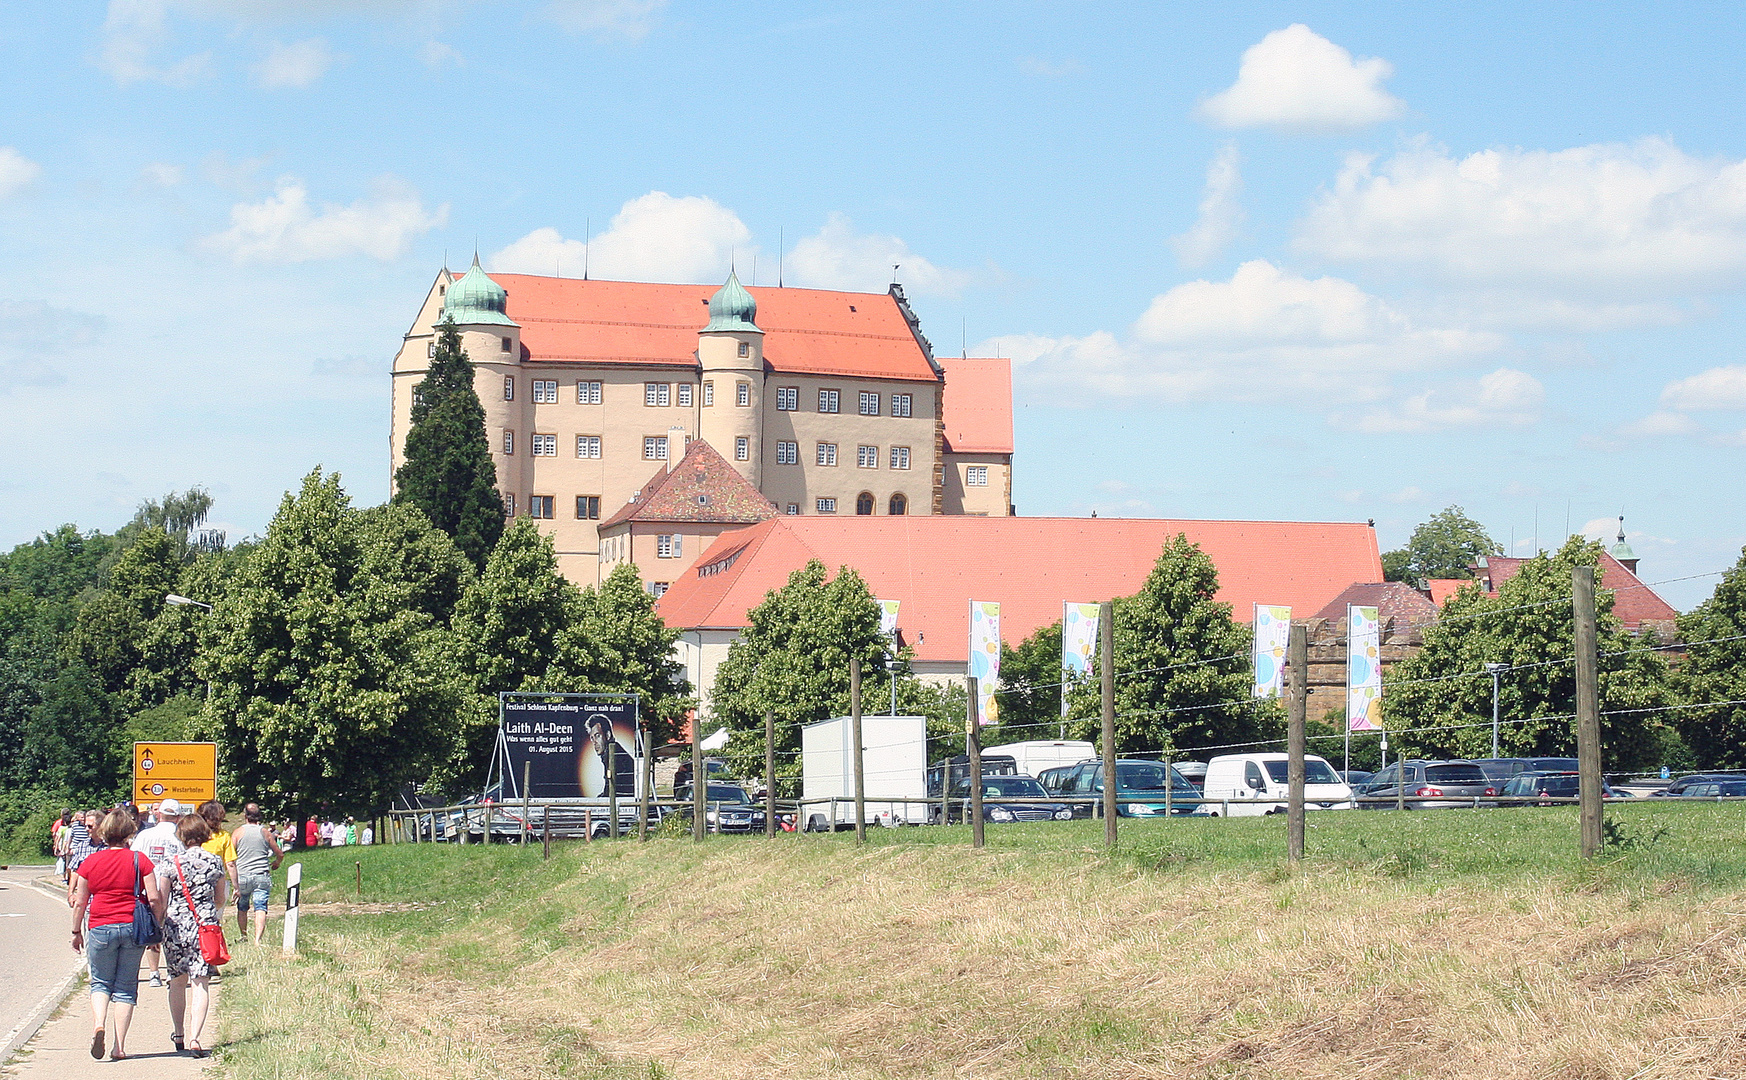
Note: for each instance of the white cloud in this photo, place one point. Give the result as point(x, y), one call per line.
point(16, 171)
point(295, 66)
point(1297, 80)
point(1503, 398)
point(1717, 388)
point(162, 174)
point(1220, 212)
point(654, 237)
point(133, 32)
point(1662, 423)
point(284, 228)
point(1607, 221)
point(630, 19)
point(239, 176)
point(837, 257)
point(1266, 335)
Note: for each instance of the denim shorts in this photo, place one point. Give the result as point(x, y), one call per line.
point(254, 891)
point(113, 960)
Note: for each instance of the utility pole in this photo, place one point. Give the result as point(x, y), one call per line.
point(1588, 738)
point(1297, 659)
point(612, 780)
point(1494, 669)
point(1106, 660)
point(699, 781)
point(973, 751)
point(769, 772)
point(860, 775)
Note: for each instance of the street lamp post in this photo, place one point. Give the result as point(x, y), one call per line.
point(178, 601)
point(1494, 669)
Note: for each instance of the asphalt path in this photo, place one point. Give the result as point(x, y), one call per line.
point(36, 942)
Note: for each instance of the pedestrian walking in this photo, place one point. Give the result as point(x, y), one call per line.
point(257, 855)
point(158, 843)
point(194, 890)
point(221, 843)
point(108, 883)
point(82, 843)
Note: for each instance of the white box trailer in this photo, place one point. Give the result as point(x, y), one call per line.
point(1039, 754)
point(894, 770)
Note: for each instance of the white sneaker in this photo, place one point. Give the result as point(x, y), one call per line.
point(157, 980)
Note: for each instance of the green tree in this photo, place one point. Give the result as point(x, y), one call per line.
point(619, 645)
point(1446, 546)
point(70, 743)
point(1439, 701)
point(334, 678)
point(1182, 665)
point(107, 637)
point(1715, 670)
point(448, 472)
point(1029, 697)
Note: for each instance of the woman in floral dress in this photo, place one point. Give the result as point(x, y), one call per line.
point(195, 879)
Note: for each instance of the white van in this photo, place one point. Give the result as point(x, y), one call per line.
point(1253, 784)
point(1039, 754)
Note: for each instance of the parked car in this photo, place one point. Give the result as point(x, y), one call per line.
point(1134, 778)
point(1192, 771)
point(1356, 778)
point(1247, 785)
point(728, 808)
point(958, 768)
point(1052, 779)
point(1678, 786)
point(1428, 785)
point(996, 789)
point(1714, 789)
point(1500, 769)
point(1548, 785)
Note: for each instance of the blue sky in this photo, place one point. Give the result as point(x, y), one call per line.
point(1304, 261)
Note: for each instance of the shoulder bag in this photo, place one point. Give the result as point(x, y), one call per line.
point(145, 928)
point(213, 950)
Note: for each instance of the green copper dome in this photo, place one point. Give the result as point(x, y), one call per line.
point(476, 300)
point(733, 309)
point(1621, 550)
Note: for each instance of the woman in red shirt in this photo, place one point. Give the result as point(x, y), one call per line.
point(103, 901)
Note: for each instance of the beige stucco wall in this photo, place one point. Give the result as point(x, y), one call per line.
point(803, 484)
point(991, 499)
point(638, 542)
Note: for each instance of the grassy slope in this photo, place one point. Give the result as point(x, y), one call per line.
point(1437, 944)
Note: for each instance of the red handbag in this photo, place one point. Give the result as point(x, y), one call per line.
point(213, 949)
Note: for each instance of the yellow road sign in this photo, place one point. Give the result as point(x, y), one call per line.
point(187, 772)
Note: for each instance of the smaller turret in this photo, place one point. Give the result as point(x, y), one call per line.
point(1622, 551)
point(732, 309)
point(476, 300)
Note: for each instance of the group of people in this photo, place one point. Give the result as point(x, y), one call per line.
point(182, 865)
point(347, 833)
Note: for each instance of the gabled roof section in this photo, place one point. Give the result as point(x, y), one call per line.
point(702, 487)
point(1633, 602)
point(1392, 600)
point(933, 565)
point(978, 406)
point(633, 323)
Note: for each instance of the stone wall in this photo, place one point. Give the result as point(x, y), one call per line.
point(1327, 659)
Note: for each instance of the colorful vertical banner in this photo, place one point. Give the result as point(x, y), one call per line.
point(1272, 631)
point(985, 657)
point(887, 616)
point(1363, 669)
point(1078, 637)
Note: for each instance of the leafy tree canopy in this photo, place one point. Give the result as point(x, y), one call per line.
point(448, 472)
point(620, 645)
point(1446, 546)
point(1030, 685)
point(1715, 670)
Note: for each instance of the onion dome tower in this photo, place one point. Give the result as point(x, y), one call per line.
point(1622, 551)
point(730, 359)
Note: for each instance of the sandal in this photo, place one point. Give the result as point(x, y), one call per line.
point(97, 1044)
point(176, 1041)
point(198, 1051)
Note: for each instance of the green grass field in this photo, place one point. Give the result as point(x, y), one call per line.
point(1195, 950)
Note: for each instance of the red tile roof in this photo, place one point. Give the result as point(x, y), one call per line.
point(806, 331)
point(702, 487)
point(1443, 588)
point(934, 565)
point(978, 406)
point(1633, 602)
point(1391, 599)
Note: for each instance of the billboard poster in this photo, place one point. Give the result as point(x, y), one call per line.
point(1363, 669)
point(887, 616)
point(1078, 636)
point(985, 657)
point(1272, 631)
point(565, 746)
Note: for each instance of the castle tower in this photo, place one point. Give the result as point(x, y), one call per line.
point(492, 341)
point(730, 354)
point(1622, 551)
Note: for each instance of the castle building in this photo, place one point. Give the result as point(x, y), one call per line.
point(824, 403)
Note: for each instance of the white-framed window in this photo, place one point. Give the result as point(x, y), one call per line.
point(685, 395)
point(827, 505)
point(657, 395)
point(869, 403)
point(827, 453)
point(828, 400)
point(545, 391)
point(867, 457)
point(588, 507)
point(587, 393)
point(588, 446)
point(508, 441)
point(900, 404)
point(543, 446)
point(539, 506)
point(900, 457)
point(669, 546)
point(708, 395)
point(976, 475)
point(899, 504)
point(745, 348)
point(787, 398)
point(658, 589)
point(743, 395)
point(431, 352)
point(509, 504)
point(793, 509)
point(787, 453)
point(509, 388)
point(654, 448)
point(742, 448)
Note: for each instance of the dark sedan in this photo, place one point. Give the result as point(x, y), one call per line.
point(995, 789)
point(1427, 785)
point(1548, 785)
point(728, 808)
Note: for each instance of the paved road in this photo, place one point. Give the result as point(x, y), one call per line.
point(36, 942)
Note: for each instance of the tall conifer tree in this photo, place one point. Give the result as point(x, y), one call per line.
point(448, 471)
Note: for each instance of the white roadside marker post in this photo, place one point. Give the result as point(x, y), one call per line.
point(293, 887)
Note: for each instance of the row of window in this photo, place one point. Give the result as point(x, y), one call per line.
point(504, 345)
point(544, 506)
point(831, 401)
point(864, 503)
point(660, 395)
point(825, 453)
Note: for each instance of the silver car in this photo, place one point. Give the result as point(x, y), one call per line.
point(1429, 785)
